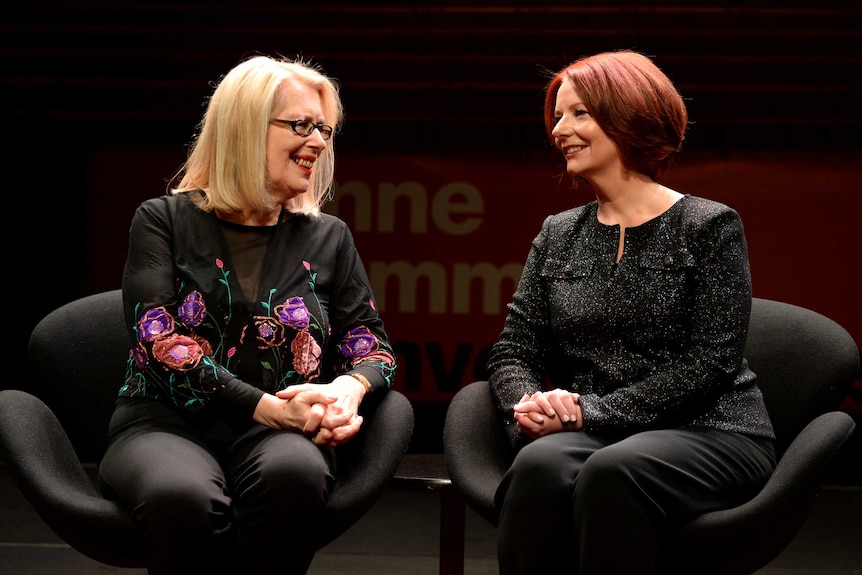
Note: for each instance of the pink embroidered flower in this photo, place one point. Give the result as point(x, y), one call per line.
point(306, 354)
point(380, 356)
point(206, 348)
point(178, 352)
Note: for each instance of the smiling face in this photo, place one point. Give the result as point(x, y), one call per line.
point(290, 157)
point(586, 147)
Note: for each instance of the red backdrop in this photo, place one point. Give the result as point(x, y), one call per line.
point(444, 239)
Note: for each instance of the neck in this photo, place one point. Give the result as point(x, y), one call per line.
point(253, 218)
point(634, 202)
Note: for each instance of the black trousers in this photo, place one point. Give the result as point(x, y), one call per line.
point(213, 503)
point(575, 503)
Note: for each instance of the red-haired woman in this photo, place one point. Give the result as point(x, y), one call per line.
point(620, 373)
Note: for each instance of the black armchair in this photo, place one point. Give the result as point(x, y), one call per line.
point(78, 353)
point(805, 365)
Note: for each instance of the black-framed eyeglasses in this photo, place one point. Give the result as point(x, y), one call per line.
point(306, 127)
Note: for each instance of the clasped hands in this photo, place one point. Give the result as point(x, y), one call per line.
point(546, 412)
point(327, 413)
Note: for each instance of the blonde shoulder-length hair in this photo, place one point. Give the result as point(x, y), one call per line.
point(228, 157)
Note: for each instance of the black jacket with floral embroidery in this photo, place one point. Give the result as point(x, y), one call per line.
point(195, 338)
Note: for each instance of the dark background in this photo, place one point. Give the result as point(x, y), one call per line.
point(79, 79)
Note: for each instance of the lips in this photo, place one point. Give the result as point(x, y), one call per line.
point(303, 163)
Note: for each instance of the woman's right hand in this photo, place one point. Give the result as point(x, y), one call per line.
point(302, 412)
point(548, 412)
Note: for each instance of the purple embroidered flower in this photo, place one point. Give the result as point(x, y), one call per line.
point(293, 313)
point(178, 352)
point(306, 354)
point(139, 355)
point(193, 310)
point(155, 323)
point(358, 342)
point(269, 332)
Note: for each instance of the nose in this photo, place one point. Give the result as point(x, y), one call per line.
point(561, 128)
point(319, 131)
point(315, 139)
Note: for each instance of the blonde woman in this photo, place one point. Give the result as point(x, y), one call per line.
point(254, 336)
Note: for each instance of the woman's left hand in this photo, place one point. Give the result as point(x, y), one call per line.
point(548, 412)
point(333, 424)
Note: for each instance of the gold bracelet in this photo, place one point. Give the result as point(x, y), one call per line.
point(361, 379)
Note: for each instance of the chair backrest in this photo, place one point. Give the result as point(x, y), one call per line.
point(78, 353)
point(805, 364)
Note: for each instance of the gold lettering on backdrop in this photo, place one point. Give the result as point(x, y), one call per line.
point(360, 193)
point(416, 197)
point(456, 209)
point(454, 199)
point(409, 278)
point(433, 275)
point(495, 293)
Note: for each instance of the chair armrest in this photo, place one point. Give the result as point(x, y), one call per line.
point(477, 449)
point(779, 509)
point(38, 453)
point(798, 476)
point(368, 462)
point(45, 467)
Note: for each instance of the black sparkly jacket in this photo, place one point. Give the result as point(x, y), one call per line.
point(654, 341)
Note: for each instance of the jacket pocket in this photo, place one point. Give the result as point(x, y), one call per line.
point(566, 270)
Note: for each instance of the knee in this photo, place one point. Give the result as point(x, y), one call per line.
point(290, 482)
point(607, 471)
point(537, 470)
point(187, 512)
